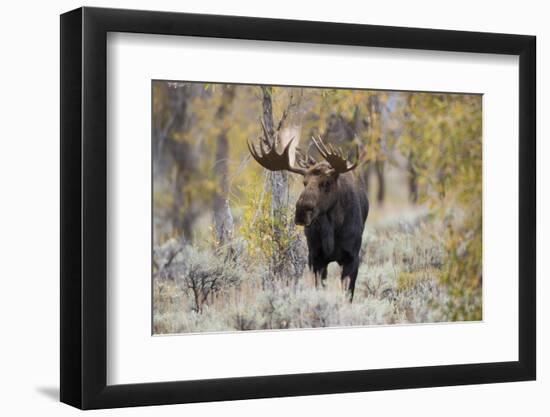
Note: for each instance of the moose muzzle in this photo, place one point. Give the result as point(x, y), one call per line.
point(305, 214)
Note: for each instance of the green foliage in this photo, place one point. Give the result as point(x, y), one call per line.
point(256, 225)
point(269, 238)
point(463, 271)
point(442, 138)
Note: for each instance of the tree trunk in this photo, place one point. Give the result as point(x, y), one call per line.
point(183, 213)
point(279, 179)
point(222, 214)
point(375, 127)
point(178, 151)
point(413, 180)
point(379, 167)
point(360, 126)
point(278, 183)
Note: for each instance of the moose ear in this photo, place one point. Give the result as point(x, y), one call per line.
point(332, 173)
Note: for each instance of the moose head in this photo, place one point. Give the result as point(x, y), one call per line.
point(320, 178)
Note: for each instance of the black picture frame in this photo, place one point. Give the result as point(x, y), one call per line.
point(84, 207)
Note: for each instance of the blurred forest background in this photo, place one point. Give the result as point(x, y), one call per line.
point(226, 253)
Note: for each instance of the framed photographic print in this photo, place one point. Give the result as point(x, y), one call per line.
point(256, 208)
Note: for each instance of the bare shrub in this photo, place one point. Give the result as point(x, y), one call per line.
point(227, 290)
point(204, 273)
point(201, 274)
point(164, 259)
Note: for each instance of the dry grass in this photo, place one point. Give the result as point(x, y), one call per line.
point(402, 257)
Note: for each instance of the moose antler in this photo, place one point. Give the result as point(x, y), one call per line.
point(335, 157)
point(268, 157)
point(303, 159)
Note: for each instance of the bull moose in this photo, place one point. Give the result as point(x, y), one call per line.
point(333, 206)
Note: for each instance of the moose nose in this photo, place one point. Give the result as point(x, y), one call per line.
point(304, 214)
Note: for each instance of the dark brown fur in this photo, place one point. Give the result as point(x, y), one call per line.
point(333, 208)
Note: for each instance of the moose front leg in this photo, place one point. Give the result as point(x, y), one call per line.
point(349, 276)
point(320, 275)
